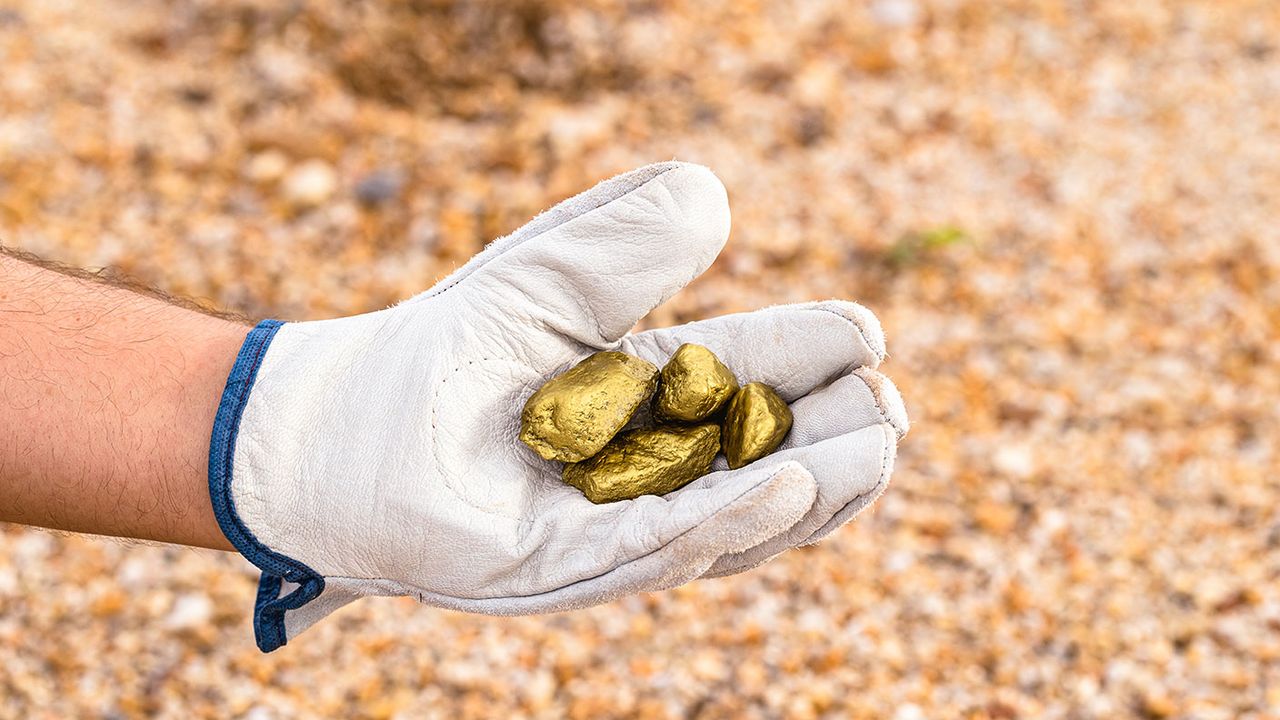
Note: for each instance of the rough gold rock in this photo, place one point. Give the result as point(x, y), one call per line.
point(694, 385)
point(576, 413)
point(650, 461)
point(755, 424)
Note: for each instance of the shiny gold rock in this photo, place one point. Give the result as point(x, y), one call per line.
point(648, 461)
point(576, 413)
point(694, 384)
point(754, 425)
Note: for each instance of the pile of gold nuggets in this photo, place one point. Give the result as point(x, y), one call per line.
point(698, 408)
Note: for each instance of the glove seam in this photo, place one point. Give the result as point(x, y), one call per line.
point(875, 397)
point(439, 462)
point(862, 333)
point(269, 608)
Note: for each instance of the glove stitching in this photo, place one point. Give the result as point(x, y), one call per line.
point(884, 416)
point(435, 449)
point(269, 610)
point(862, 332)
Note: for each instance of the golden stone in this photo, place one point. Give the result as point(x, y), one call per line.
point(694, 385)
point(650, 461)
point(573, 415)
point(754, 425)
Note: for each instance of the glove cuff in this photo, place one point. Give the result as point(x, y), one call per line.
point(277, 569)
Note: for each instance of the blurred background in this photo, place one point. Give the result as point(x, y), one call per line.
point(1064, 212)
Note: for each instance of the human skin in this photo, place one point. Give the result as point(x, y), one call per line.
point(107, 401)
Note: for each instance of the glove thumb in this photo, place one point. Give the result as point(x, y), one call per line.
point(594, 265)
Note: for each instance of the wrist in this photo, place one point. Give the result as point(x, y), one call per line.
point(214, 344)
point(111, 399)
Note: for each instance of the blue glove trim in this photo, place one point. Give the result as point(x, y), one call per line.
point(268, 612)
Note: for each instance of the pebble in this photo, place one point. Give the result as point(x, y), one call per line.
point(310, 184)
point(895, 13)
point(379, 187)
point(267, 167)
point(190, 610)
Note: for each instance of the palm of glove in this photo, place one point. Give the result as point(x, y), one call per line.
point(381, 450)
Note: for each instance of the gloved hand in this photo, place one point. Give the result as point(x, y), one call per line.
point(378, 454)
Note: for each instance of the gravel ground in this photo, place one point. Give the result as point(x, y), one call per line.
point(1063, 212)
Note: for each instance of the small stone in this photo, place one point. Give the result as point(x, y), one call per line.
point(1017, 461)
point(191, 610)
point(267, 167)
point(573, 415)
point(895, 13)
point(108, 603)
point(755, 424)
point(708, 665)
point(310, 184)
point(694, 384)
point(1158, 705)
point(539, 690)
point(379, 187)
point(995, 517)
point(646, 462)
point(909, 711)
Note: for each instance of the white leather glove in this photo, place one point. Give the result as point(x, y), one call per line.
point(378, 454)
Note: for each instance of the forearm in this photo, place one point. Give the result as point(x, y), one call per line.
point(107, 398)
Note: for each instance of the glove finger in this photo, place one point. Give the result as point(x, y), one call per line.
point(724, 510)
point(655, 543)
point(600, 194)
point(858, 400)
point(592, 276)
point(851, 470)
point(794, 348)
point(597, 538)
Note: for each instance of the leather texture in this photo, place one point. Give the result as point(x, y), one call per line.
point(381, 450)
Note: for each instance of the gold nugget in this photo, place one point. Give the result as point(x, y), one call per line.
point(755, 424)
point(576, 413)
point(694, 384)
point(646, 462)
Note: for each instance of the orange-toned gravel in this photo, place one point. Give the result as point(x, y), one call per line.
point(1065, 213)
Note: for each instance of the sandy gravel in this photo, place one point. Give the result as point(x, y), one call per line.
point(1065, 214)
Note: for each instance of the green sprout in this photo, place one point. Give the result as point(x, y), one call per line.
point(911, 247)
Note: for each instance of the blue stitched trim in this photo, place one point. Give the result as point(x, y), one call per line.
point(268, 611)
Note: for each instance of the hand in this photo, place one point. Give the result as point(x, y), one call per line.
point(378, 454)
